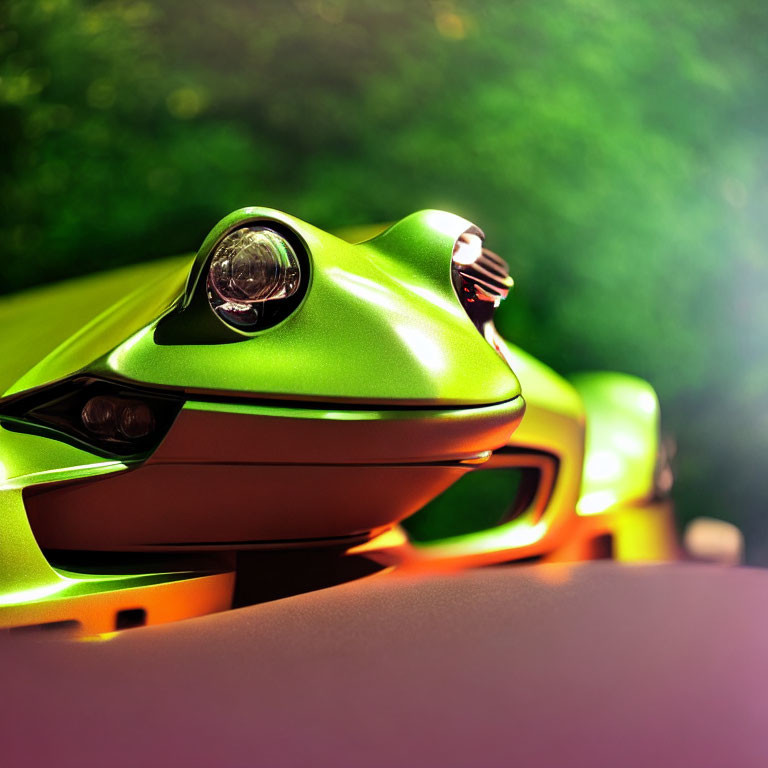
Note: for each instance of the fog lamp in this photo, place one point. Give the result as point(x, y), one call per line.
point(116, 419)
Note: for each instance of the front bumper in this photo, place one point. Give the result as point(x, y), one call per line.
point(237, 474)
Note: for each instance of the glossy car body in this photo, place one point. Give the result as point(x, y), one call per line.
point(370, 399)
point(371, 396)
point(585, 476)
point(595, 479)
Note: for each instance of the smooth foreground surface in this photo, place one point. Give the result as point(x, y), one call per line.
point(594, 664)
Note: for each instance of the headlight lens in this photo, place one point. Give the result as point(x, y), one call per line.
point(250, 267)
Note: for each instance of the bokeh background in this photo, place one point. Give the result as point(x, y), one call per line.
point(614, 151)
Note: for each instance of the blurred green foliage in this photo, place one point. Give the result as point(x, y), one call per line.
point(613, 150)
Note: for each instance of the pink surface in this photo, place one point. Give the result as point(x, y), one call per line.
point(586, 665)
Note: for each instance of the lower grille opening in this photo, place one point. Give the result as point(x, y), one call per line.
point(263, 576)
point(480, 500)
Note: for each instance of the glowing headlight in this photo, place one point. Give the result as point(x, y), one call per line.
point(249, 268)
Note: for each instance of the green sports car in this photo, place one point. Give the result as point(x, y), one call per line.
point(286, 388)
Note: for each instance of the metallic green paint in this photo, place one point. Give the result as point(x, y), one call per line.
point(373, 328)
point(380, 327)
point(27, 578)
point(379, 336)
point(52, 331)
point(603, 429)
point(31, 590)
point(553, 424)
point(621, 440)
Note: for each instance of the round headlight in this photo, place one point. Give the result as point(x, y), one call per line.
point(250, 268)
